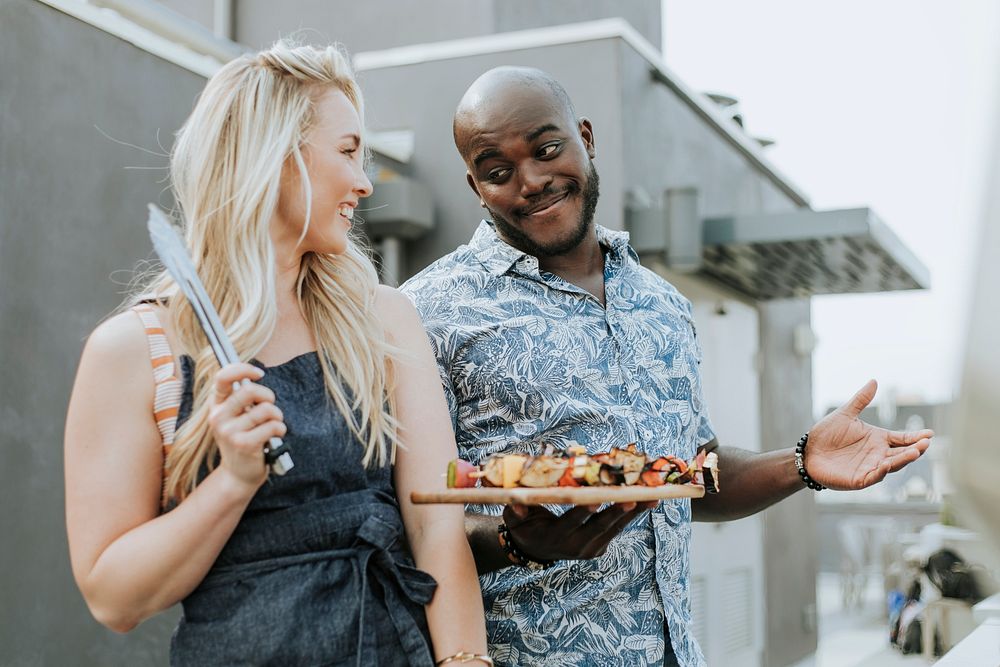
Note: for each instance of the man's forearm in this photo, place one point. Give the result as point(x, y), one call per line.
point(749, 483)
point(482, 533)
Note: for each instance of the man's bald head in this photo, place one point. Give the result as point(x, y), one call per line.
point(498, 88)
point(529, 160)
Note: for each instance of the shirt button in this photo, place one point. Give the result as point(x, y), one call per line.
point(647, 434)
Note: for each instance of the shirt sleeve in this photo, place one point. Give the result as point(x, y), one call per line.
point(438, 336)
point(443, 358)
point(705, 431)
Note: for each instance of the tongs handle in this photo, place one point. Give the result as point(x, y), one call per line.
point(176, 260)
point(277, 454)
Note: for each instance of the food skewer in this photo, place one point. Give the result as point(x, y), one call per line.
point(574, 467)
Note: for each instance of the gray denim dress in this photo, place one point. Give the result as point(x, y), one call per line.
point(318, 571)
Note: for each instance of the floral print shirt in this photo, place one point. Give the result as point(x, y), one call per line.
point(528, 359)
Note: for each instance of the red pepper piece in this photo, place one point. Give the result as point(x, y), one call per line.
point(567, 478)
point(660, 464)
point(679, 464)
point(653, 478)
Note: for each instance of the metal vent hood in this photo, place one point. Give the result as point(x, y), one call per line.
point(798, 253)
point(803, 253)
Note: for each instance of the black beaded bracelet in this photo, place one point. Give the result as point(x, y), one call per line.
point(800, 463)
point(514, 555)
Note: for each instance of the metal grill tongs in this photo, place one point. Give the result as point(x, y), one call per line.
point(174, 256)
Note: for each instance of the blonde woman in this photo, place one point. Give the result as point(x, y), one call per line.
point(312, 567)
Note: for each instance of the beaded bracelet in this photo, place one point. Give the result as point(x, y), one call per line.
point(463, 656)
point(515, 555)
point(800, 463)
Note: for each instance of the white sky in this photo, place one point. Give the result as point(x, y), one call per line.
point(883, 103)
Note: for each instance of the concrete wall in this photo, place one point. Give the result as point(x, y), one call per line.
point(727, 583)
point(72, 225)
point(373, 25)
point(202, 11)
point(362, 26)
point(643, 15)
point(791, 548)
point(670, 146)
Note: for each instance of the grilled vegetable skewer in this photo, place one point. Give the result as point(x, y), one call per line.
point(574, 467)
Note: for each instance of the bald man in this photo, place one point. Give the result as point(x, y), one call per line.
point(548, 331)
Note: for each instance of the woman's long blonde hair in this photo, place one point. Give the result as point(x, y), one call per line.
point(252, 117)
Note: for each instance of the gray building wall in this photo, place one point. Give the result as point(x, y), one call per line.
point(382, 24)
point(362, 26)
point(791, 556)
point(202, 11)
point(670, 146)
point(643, 15)
point(72, 226)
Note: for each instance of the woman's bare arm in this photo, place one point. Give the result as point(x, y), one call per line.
point(436, 532)
point(129, 561)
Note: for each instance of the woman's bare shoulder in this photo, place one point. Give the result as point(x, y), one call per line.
point(121, 334)
point(391, 300)
point(396, 312)
point(117, 351)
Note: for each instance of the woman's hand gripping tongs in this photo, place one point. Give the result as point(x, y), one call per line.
point(173, 254)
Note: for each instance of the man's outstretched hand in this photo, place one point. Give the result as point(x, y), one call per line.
point(846, 453)
point(579, 534)
point(843, 453)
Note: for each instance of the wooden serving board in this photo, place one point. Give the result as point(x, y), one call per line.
point(561, 495)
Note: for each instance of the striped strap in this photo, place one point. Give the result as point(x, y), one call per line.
point(167, 399)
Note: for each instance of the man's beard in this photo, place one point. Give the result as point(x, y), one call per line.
point(521, 241)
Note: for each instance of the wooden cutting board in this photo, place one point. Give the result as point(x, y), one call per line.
point(562, 495)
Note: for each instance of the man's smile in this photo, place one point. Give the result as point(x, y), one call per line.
point(543, 206)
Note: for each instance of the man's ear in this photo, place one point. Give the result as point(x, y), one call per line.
point(587, 134)
point(472, 184)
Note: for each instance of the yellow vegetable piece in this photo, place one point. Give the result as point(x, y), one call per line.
point(513, 466)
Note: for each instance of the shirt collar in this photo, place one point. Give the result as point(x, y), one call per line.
point(497, 256)
point(615, 241)
point(494, 253)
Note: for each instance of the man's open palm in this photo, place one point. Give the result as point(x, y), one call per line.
point(846, 453)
